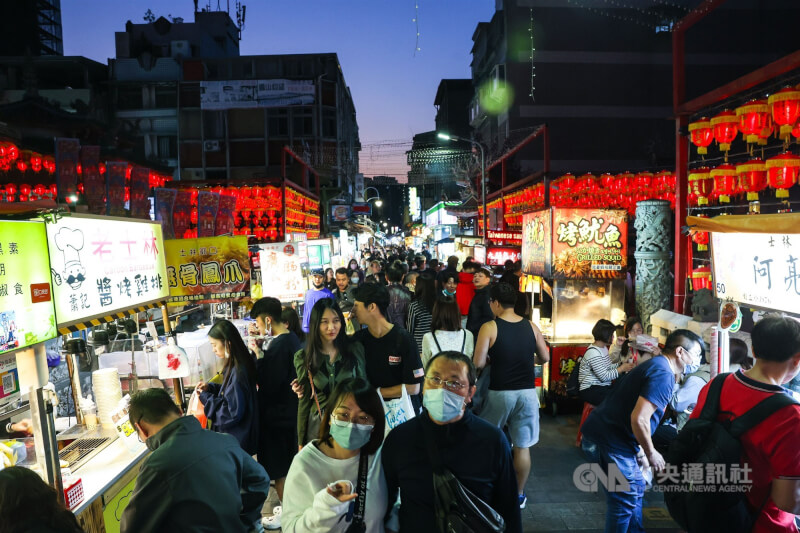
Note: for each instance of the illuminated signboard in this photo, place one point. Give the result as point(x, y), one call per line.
point(101, 266)
point(479, 253)
point(208, 269)
point(281, 271)
point(759, 269)
point(536, 243)
point(590, 243)
point(27, 312)
point(414, 204)
point(498, 255)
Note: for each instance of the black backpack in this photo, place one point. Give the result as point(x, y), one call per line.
point(706, 508)
point(573, 381)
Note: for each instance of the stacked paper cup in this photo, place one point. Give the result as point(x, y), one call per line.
point(107, 393)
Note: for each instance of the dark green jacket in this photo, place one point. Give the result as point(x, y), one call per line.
point(195, 481)
point(325, 381)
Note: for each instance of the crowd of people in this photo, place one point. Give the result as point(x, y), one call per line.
point(312, 409)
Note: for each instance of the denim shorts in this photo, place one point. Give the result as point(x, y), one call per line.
point(517, 408)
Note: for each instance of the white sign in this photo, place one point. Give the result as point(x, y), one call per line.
point(414, 204)
point(101, 266)
point(244, 94)
point(759, 269)
point(358, 193)
point(281, 273)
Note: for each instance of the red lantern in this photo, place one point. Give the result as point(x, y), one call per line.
point(754, 118)
point(752, 177)
point(701, 276)
point(785, 106)
point(40, 190)
point(701, 184)
point(643, 181)
point(725, 181)
point(726, 126)
point(36, 161)
point(664, 181)
point(607, 180)
point(782, 171)
point(701, 134)
point(24, 189)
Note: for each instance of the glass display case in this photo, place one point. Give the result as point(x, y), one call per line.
point(579, 304)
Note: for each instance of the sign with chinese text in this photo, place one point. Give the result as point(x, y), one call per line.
point(281, 272)
point(340, 213)
point(248, 94)
point(498, 255)
point(759, 269)
point(165, 202)
point(505, 235)
point(479, 253)
point(101, 266)
point(361, 208)
point(139, 193)
point(67, 158)
point(224, 222)
point(589, 243)
point(94, 183)
point(207, 205)
point(115, 188)
point(27, 312)
point(536, 243)
point(208, 269)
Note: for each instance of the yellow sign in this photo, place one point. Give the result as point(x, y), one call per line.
point(208, 269)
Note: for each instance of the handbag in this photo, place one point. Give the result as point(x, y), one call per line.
point(397, 411)
point(357, 525)
point(314, 422)
point(456, 508)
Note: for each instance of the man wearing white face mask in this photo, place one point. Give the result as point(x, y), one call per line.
point(476, 452)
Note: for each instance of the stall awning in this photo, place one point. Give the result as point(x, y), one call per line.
point(445, 240)
point(466, 209)
point(772, 223)
point(66, 330)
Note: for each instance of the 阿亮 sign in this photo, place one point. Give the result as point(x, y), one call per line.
point(27, 312)
point(100, 266)
point(758, 269)
point(209, 269)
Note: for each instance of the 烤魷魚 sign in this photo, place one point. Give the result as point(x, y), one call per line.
point(208, 269)
point(27, 313)
point(101, 266)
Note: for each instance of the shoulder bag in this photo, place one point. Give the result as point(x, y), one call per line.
point(456, 508)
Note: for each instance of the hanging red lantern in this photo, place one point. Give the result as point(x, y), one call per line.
point(726, 126)
point(701, 276)
point(664, 181)
point(725, 182)
point(754, 117)
point(36, 162)
point(782, 171)
point(752, 177)
point(700, 238)
point(22, 166)
point(785, 106)
point(607, 180)
point(701, 184)
point(643, 181)
point(701, 134)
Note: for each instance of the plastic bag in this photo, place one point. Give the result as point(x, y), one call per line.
point(397, 411)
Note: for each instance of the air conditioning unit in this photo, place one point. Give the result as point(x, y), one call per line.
point(211, 146)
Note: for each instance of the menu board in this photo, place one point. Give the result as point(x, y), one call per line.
point(281, 271)
point(759, 269)
point(590, 243)
point(102, 265)
point(536, 243)
point(208, 269)
point(27, 312)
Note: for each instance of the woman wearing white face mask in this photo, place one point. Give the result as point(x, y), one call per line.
point(336, 482)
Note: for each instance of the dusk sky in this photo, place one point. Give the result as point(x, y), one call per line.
point(393, 88)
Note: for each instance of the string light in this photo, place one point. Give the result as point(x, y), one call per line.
point(533, 65)
point(416, 22)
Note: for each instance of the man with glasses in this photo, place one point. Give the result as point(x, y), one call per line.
point(619, 431)
point(195, 480)
point(476, 452)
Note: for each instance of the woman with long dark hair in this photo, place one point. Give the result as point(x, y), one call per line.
point(328, 358)
point(232, 407)
point(624, 347)
point(420, 310)
point(28, 504)
point(322, 487)
point(292, 321)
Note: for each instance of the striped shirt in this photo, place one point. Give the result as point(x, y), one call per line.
point(418, 322)
point(596, 368)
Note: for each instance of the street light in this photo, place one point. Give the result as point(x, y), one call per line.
point(448, 137)
point(377, 198)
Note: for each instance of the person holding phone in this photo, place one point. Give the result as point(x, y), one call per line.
point(336, 482)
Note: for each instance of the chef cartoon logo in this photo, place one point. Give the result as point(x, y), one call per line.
point(70, 242)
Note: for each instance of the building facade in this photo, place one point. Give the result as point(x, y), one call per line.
point(31, 28)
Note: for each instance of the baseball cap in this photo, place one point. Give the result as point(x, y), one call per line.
point(317, 272)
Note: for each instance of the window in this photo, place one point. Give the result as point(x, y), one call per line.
point(302, 123)
point(166, 97)
point(329, 123)
point(278, 122)
point(167, 146)
point(213, 125)
point(129, 98)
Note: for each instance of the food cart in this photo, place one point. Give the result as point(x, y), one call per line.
point(581, 257)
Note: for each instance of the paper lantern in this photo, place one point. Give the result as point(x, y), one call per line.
point(752, 177)
point(785, 106)
point(701, 184)
point(726, 126)
point(782, 171)
point(607, 180)
point(701, 276)
point(725, 182)
point(701, 134)
point(643, 181)
point(664, 181)
point(754, 117)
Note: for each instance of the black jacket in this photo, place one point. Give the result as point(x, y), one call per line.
point(195, 481)
point(479, 311)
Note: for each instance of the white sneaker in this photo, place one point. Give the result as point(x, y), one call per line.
point(271, 523)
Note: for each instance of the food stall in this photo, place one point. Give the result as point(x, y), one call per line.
point(581, 256)
point(505, 246)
